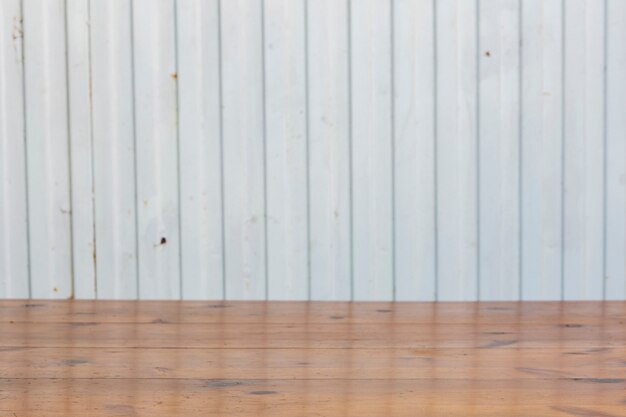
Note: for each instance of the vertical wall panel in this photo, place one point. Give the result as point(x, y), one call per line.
point(156, 131)
point(414, 145)
point(323, 149)
point(79, 84)
point(457, 150)
point(286, 138)
point(47, 138)
point(615, 165)
point(542, 145)
point(200, 148)
point(114, 149)
point(584, 150)
point(14, 280)
point(244, 148)
point(372, 140)
point(499, 155)
point(329, 128)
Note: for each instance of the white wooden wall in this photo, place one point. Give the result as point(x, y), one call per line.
point(313, 149)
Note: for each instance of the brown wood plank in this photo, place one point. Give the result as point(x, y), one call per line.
point(293, 398)
point(312, 363)
point(114, 358)
point(298, 335)
point(286, 312)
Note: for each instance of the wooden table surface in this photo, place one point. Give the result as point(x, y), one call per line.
point(112, 358)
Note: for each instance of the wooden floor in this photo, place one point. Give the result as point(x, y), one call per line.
point(81, 358)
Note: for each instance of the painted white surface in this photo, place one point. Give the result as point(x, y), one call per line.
point(457, 146)
point(47, 148)
point(114, 149)
point(286, 149)
point(14, 271)
point(300, 149)
point(583, 171)
point(200, 147)
point(156, 140)
point(330, 193)
point(499, 149)
point(371, 150)
point(244, 139)
point(615, 159)
point(81, 152)
point(542, 150)
point(414, 129)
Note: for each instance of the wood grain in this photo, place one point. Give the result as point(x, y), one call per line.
point(79, 358)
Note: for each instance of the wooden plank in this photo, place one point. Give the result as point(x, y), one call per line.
point(294, 360)
point(334, 335)
point(114, 148)
point(329, 147)
point(583, 262)
point(14, 275)
point(615, 164)
point(414, 145)
point(78, 17)
point(287, 145)
point(244, 149)
point(469, 397)
point(542, 146)
point(201, 216)
point(457, 158)
point(47, 140)
point(232, 312)
point(156, 141)
point(322, 364)
point(499, 153)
